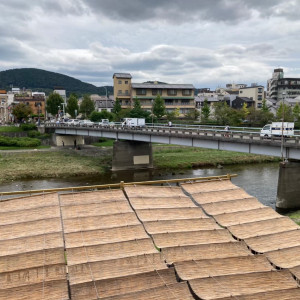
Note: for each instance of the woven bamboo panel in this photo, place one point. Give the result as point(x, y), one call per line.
point(100, 222)
point(207, 251)
point(231, 206)
point(163, 240)
point(32, 276)
point(32, 259)
point(241, 217)
point(153, 191)
point(92, 197)
point(109, 251)
point(286, 294)
point(285, 258)
point(226, 195)
point(52, 290)
point(38, 227)
point(296, 271)
point(264, 227)
point(275, 241)
point(171, 292)
point(155, 227)
point(31, 243)
point(170, 214)
point(29, 202)
point(242, 284)
point(116, 268)
point(162, 202)
point(123, 285)
point(208, 186)
point(104, 236)
point(27, 215)
point(95, 209)
point(192, 269)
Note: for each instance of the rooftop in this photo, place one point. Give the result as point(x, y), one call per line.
point(122, 75)
point(162, 86)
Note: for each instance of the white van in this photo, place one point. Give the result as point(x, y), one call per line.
point(276, 129)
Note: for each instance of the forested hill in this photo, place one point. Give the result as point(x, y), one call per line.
point(45, 81)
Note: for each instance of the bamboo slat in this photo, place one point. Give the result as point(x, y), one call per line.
point(296, 271)
point(275, 241)
point(170, 214)
point(100, 222)
point(208, 186)
point(285, 258)
point(154, 227)
point(123, 285)
point(193, 269)
point(116, 268)
point(219, 196)
point(153, 191)
point(162, 202)
point(241, 217)
point(81, 255)
point(242, 284)
point(92, 197)
point(164, 240)
point(104, 236)
point(18, 230)
point(206, 251)
point(231, 206)
point(95, 209)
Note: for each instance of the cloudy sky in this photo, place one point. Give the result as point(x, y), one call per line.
point(204, 42)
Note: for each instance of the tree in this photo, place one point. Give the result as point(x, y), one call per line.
point(264, 106)
point(96, 116)
point(21, 111)
point(205, 111)
point(159, 108)
point(54, 103)
point(117, 109)
point(296, 112)
point(245, 111)
point(72, 106)
point(284, 112)
point(222, 113)
point(87, 106)
point(138, 112)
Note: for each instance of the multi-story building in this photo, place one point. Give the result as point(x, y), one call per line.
point(175, 96)
point(255, 93)
point(4, 107)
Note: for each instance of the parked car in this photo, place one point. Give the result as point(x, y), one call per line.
point(72, 122)
point(86, 123)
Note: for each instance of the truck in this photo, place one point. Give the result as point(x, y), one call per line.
point(133, 122)
point(278, 129)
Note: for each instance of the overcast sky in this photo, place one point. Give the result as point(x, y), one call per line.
point(204, 42)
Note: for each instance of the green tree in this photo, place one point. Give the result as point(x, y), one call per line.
point(54, 103)
point(205, 111)
point(296, 112)
point(159, 108)
point(117, 109)
point(284, 112)
point(87, 106)
point(222, 113)
point(72, 106)
point(264, 106)
point(96, 116)
point(21, 111)
point(245, 111)
point(138, 112)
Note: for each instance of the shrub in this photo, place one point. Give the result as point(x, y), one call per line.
point(19, 142)
point(27, 127)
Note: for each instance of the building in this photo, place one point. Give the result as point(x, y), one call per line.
point(4, 107)
point(62, 92)
point(238, 103)
point(103, 102)
point(255, 93)
point(122, 88)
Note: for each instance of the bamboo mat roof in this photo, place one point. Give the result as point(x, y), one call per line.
point(153, 191)
point(154, 227)
point(100, 222)
point(104, 236)
point(275, 241)
point(170, 213)
point(264, 227)
point(208, 186)
point(116, 268)
point(252, 215)
point(172, 239)
point(285, 258)
point(92, 197)
point(242, 284)
point(222, 207)
point(296, 272)
point(173, 292)
point(162, 202)
point(205, 251)
point(204, 268)
point(123, 285)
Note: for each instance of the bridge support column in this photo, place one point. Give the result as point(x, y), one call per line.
point(131, 155)
point(288, 189)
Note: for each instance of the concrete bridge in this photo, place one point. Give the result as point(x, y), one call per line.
point(133, 148)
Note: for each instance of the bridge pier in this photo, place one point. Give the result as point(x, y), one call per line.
point(288, 189)
point(131, 155)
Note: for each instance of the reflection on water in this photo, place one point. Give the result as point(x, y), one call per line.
point(259, 180)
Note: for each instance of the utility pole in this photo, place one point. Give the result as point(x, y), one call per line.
point(282, 124)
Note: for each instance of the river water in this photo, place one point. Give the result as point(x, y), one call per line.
point(259, 180)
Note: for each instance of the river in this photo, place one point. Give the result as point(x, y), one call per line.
point(259, 180)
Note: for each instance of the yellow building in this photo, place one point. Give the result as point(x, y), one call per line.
point(122, 88)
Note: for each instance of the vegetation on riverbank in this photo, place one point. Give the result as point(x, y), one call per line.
point(295, 216)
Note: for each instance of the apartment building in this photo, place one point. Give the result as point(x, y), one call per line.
point(4, 107)
point(255, 93)
point(122, 88)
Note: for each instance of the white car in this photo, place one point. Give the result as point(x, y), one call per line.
point(86, 123)
point(73, 122)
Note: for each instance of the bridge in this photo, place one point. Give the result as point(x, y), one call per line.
point(133, 148)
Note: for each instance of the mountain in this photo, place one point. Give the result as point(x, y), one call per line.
point(45, 81)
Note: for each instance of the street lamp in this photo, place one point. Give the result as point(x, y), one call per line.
point(152, 111)
point(282, 124)
point(106, 97)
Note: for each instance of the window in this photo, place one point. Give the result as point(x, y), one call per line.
point(259, 105)
point(169, 102)
point(141, 91)
point(185, 102)
point(126, 81)
point(172, 92)
point(260, 90)
point(119, 81)
point(126, 93)
point(119, 92)
point(241, 92)
point(156, 92)
point(186, 92)
point(259, 97)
